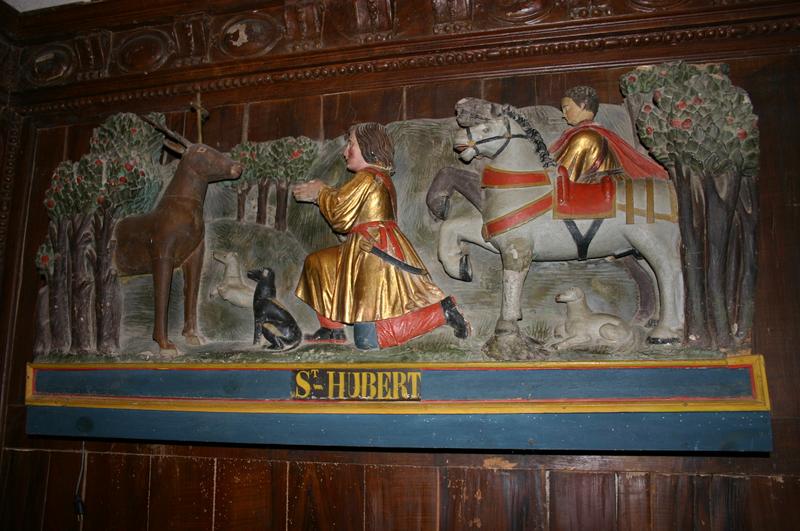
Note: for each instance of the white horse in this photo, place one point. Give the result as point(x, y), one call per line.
point(518, 217)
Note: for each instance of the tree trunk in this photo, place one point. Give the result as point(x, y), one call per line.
point(43, 341)
point(263, 195)
point(108, 301)
point(691, 221)
point(241, 202)
point(722, 195)
point(82, 286)
point(281, 205)
point(747, 216)
point(59, 289)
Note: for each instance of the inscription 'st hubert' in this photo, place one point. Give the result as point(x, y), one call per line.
point(173, 234)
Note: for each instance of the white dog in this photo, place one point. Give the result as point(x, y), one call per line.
point(585, 329)
point(233, 287)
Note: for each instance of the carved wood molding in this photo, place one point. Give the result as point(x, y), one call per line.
point(536, 53)
point(10, 131)
point(171, 44)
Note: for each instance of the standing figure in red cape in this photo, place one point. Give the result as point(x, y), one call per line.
point(589, 151)
point(374, 280)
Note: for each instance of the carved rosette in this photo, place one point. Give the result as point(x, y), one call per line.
point(144, 51)
point(304, 21)
point(245, 36)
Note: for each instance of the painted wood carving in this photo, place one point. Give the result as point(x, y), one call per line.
point(503, 240)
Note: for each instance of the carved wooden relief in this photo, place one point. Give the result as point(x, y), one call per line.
point(452, 16)
point(518, 11)
point(304, 22)
point(49, 64)
point(191, 35)
point(580, 9)
point(648, 5)
point(250, 35)
point(93, 54)
point(9, 65)
point(144, 51)
point(374, 19)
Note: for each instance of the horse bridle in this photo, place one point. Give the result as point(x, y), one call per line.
point(508, 137)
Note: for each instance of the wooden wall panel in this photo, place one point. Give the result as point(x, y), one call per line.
point(325, 496)
point(417, 69)
point(340, 111)
point(438, 100)
point(278, 118)
point(475, 498)
point(23, 485)
point(117, 492)
point(250, 495)
point(181, 493)
point(579, 499)
point(401, 498)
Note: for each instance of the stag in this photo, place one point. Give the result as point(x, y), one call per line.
point(172, 235)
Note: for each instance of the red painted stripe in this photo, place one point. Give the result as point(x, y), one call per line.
point(519, 216)
point(495, 178)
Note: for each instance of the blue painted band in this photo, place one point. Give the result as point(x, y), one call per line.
point(437, 384)
point(658, 432)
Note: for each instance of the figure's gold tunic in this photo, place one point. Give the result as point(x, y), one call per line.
point(587, 156)
point(348, 284)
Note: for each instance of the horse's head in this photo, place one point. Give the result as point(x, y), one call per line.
point(487, 130)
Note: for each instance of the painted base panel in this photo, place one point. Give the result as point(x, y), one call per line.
point(691, 406)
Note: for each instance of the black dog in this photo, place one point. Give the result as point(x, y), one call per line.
point(272, 320)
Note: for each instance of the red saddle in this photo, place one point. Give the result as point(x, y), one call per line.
point(584, 200)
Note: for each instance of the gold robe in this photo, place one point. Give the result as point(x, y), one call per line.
point(587, 157)
point(348, 284)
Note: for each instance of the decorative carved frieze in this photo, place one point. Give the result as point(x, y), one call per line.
point(518, 11)
point(93, 55)
point(653, 5)
point(304, 21)
point(49, 64)
point(143, 51)
point(580, 9)
point(191, 37)
point(374, 20)
point(249, 35)
point(10, 130)
point(427, 60)
point(452, 16)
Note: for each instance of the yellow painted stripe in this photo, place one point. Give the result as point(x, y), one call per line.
point(400, 408)
point(745, 359)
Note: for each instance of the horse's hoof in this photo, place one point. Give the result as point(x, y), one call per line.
point(663, 340)
point(194, 340)
point(465, 268)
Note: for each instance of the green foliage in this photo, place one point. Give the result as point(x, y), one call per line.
point(290, 158)
point(45, 256)
point(120, 172)
point(693, 113)
point(125, 133)
point(253, 158)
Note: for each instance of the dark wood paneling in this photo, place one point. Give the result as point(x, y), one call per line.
point(181, 493)
point(23, 485)
point(223, 128)
point(78, 141)
point(117, 492)
point(340, 111)
point(672, 502)
point(633, 501)
point(62, 479)
point(296, 117)
point(578, 500)
point(250, 495)
point(438, 100)
point(325, 496)
point(474, 498)
point(401, 498)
